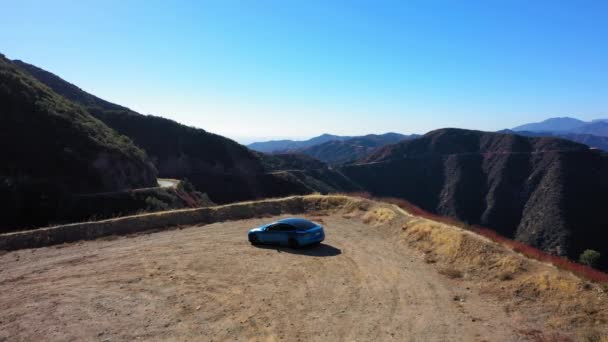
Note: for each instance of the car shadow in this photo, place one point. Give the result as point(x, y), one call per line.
point(319, 250)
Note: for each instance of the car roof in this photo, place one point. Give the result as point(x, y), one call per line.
point(298, 222)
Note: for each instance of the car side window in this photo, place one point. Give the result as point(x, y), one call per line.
point(279, 227)
point(286, 228)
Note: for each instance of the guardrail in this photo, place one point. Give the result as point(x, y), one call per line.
point(165, 220)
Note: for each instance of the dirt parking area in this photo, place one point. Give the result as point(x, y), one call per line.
point(208, 283)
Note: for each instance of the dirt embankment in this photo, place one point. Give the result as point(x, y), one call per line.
point(380, 275)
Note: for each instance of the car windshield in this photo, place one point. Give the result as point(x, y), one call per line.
point(300, 224)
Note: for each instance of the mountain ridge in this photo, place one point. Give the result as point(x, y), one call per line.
point(563, 125)
point(544, 191)
point(284, 145)
point(337, 152)
point(593, 141)
point(54, 148)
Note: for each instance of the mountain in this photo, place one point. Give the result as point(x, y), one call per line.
point(546, 192)
point(54, 148)
point(598, 127)
point(223, 169)
point(342, 151)
point(552, 125)
point(593, 141)
point(287, 145)
point(220, 167)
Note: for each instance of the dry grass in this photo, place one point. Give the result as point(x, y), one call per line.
point(522, 277)
point(508, 275)
point(534, 253)
point(379, 216)
point(519, 247)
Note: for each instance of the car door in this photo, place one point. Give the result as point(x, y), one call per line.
point(272, 234)
point(286, 231)
point(278, 233)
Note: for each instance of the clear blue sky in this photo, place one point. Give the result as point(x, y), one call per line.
point(260, 69)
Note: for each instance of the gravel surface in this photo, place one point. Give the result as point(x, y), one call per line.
point(209, 283)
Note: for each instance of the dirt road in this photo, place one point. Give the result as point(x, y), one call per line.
point(167, 183)
point(209, 283)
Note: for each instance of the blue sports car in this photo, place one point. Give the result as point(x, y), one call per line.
point(292, 232)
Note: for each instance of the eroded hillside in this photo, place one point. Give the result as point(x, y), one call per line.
point(547, 192)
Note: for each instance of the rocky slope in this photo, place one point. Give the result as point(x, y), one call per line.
point(53, 148)
point(547, 192)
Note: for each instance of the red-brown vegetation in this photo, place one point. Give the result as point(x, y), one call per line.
point(581, 270)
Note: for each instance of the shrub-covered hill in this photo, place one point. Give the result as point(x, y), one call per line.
point(53, 148)
point(546, 192)
point(218, 166)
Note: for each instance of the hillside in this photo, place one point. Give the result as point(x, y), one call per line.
point(53, 148)
point(223, 169)
point(220, 167)
point(289, 161)
point(342, 151)
point(546, 192)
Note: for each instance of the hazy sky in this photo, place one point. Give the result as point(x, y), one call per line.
point(260, 69)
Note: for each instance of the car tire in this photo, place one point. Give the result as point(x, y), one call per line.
point(293, 243)
point(254, 240)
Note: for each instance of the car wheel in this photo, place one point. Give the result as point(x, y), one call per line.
point(254, 240)
point(293, 243)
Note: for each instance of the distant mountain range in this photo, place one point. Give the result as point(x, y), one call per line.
point(593, 141)
point(333, 149)
point(567, 125)
point(591, 133)
point(336, 152)
point(285, 145)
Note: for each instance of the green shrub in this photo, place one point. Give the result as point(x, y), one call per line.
point(154, 204)
point(589, 257)
point(185, 186)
